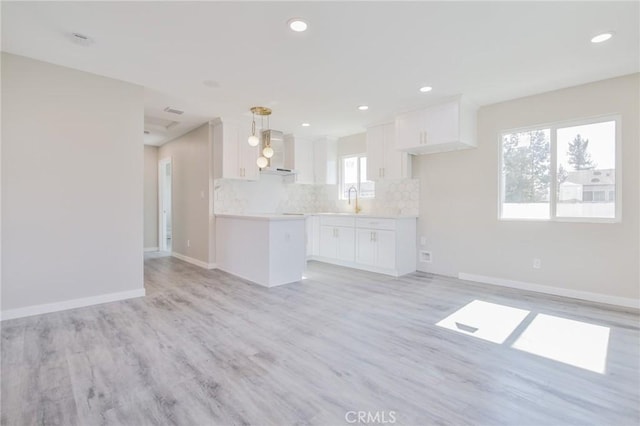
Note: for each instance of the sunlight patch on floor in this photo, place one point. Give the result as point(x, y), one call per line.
point(484, 320)
point(571, 342)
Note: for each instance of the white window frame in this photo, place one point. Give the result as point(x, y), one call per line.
point(341, 195)
point(553, 127)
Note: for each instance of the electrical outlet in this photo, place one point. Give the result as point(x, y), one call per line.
point(188, 243)
point(425, 256)
point(423, 241)
point(537, 264)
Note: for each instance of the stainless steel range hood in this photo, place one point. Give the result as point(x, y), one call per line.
point(277, 163)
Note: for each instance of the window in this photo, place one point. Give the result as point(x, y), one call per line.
point(353, 173)
point(563, 172)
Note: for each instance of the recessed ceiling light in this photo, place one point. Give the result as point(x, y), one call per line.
point(425, 89)
point(363, 107)
point(602, 37)
point(306, 124)
point(297, 25)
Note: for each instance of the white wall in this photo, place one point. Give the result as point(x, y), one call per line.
point(190, 198)
point(150, 197)
point(72, 186)
point(459, 202)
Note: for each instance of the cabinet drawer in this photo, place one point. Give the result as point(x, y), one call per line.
point(375, 223)
point(337, 221)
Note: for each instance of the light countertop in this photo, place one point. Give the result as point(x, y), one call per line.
point(366, 216)
point(263, 216)
point(301, 216)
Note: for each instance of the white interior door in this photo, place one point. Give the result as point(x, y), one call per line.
point(165, 229)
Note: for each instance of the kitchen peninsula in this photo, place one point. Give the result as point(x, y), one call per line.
point(267, 249)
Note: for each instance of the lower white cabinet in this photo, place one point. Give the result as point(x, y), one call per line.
point(384, 245)
point(337, 242)
point(376, 247)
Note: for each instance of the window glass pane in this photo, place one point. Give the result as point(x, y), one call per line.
point(526, 170)
point(587, 170)
point(349, 174)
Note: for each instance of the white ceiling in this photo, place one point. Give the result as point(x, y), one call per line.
point(374, 53)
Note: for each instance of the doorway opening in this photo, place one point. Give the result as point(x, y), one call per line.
point(164, 201)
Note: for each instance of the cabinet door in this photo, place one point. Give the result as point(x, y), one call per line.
point(365, 247)
point(303, 161)
point(375, 152)
point(409, 130)
point(325, 161)
point(385, 242)
point(396, 163)
point(346, 243)
point(328, 242)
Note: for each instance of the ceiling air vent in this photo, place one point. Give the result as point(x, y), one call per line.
point(173, 111)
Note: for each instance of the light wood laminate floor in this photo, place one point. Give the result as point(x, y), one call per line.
point(206, 348)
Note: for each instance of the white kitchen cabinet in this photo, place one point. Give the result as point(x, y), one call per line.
point(384, 161)
point(338, 243)
point(299, 157)
point(313, 236)
point(384, 245)
point(325, 161)
point(376, 247)
point(366, 253)
point(337, 238)
point(448, 126)
point(234, 157)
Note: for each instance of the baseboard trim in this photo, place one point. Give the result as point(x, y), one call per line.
point(193, 261)
point(556, 291)
point(70, 304)
point(148, 249)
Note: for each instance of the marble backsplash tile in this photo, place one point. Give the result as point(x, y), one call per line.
point(271, 195)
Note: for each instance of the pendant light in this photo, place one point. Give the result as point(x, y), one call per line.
point(261, 111)
point(267, 151)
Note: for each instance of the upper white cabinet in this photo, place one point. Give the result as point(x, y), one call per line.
point(384, 161)
point(299, 157)
point(235, 159)
point(446, 127)
point(325, 161)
